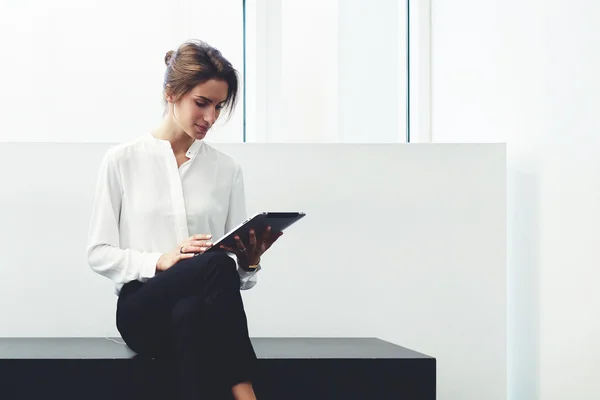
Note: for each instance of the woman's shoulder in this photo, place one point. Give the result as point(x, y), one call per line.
point(127, 148)
point(223, 158)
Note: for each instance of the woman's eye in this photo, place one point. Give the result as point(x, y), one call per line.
point(202, 105)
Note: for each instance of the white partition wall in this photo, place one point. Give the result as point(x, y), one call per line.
point(403, 242)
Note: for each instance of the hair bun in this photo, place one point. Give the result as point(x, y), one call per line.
point(168, 56)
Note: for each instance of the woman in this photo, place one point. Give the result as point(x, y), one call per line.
point(159, 201)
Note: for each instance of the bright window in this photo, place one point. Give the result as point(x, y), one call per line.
point(326, 71)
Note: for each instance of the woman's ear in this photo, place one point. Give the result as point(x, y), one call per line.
point(168, 95)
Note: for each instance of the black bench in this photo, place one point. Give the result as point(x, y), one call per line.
point(289, 369)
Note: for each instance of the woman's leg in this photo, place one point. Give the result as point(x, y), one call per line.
point(194, 311)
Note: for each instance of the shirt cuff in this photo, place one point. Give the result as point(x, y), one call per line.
point(148, 269)
point(248, 279)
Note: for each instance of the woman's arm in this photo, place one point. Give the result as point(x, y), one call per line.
point(104, 254)
point(235, 215)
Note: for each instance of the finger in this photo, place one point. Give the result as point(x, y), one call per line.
point(273, 240)
point(201, 237)
point(229, 249)
point(183, 256)
point(197, 249)
point(252, 239)
point(201, 243)
point(240, 244)
point(274, 237)
point(266, 233)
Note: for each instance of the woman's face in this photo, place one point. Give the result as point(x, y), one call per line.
point(197, 111)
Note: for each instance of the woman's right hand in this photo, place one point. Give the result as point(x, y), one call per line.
point(191, 246)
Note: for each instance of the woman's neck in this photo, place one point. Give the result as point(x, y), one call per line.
point(169, 130)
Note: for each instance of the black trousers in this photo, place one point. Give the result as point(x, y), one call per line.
point(191, 315)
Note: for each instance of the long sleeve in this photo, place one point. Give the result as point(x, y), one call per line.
point(237, 214)
point(104, 253)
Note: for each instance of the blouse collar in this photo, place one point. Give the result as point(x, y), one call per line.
point(192, 151)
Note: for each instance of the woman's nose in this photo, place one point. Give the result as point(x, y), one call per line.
point(210, 116)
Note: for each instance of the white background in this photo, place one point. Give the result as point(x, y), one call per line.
point(92, 71)
point(402, 242)
point(527, 72)
point(522, 72)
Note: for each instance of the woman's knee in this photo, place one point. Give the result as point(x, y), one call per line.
point(223, 272)
point(186, 309)
point(220, 258)
point(213, 263)
point(206, 273)
point(221, 262)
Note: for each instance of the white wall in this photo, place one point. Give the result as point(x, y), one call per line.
point(402, 242)
point(92, 71)
point(526, 72)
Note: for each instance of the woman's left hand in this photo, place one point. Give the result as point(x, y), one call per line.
point(249, 254)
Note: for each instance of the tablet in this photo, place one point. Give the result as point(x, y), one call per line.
point(278, 221)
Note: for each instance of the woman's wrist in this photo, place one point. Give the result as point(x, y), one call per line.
point(248, 265)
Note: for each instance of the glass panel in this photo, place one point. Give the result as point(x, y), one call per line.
point(336, 71)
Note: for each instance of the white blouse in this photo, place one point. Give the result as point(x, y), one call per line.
point(145, 206)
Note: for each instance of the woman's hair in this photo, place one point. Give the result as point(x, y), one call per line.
point(196, 62)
